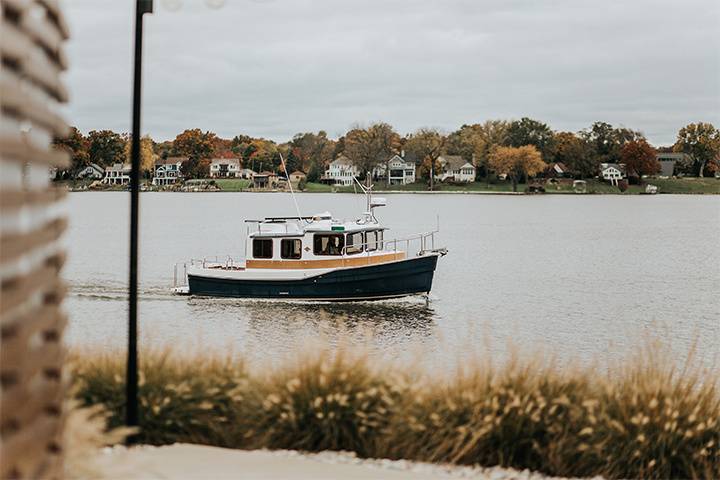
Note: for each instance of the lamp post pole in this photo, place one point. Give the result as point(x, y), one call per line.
point(142, 7)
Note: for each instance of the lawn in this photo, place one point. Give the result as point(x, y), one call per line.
point(232, 184)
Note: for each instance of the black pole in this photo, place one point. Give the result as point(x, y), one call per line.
point(142, 7)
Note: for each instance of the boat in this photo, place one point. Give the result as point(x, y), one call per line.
point(319, 258)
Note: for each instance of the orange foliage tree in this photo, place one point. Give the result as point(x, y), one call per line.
point(517, 162)
point(639, 157)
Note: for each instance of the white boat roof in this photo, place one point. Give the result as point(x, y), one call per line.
point(321, 222)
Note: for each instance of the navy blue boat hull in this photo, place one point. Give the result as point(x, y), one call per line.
point(388, 280)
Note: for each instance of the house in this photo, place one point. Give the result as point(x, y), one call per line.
point(557, 170)
point(265, 179)
point(401, 171)
point(168, 170)
point(224, 167)
point(296, 176)
point(613, 172)
point(246, 173)
point(340, 172)
point(93, 171)
point(117, 174)
point(455, 168)
point(668, 161)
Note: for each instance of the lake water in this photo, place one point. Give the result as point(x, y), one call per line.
point(578, 275)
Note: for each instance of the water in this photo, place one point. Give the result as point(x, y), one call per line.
point(578, 275)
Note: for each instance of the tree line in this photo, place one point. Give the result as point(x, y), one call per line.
point(519, 148)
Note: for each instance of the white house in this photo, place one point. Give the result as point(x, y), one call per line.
point(246, 173)
point(117, 174)
point(340, 172)
point(225, 167)
point(456, 169)
point(613, 172)
point(94, 171)
point(401, 172)
point(168, 170)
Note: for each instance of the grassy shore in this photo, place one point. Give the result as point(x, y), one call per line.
point(641, 418)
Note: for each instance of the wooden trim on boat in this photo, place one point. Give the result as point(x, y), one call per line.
point(358, 261)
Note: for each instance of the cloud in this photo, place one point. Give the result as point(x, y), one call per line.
point(277, 67)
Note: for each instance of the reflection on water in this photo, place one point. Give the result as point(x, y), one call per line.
point(281, 326)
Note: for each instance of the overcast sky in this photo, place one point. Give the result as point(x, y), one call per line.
point(273, 68)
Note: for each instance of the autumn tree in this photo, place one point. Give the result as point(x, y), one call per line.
point(199, 147)
point(369, 147)
point(427, 145)
point(701, 142)
point(313, 151)
point(475, 142)
point(527, 131)
point(575, 153)
point(517, 162)
point(105, 147)
point(639, 157)
point(77, 147)
point(147, 153)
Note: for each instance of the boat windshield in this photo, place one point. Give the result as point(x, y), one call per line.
point(328, 244)
point(354, 243)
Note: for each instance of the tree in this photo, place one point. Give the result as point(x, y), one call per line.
point(575, 153)
point(427, 145)
point(77, 146)
point(368, 147)
point(147, 153)
point(606, 142)
point(701, 142)
point(639, 157)
point(475, 142)
point(527, 131)
point(517, 162)
point(105, 147)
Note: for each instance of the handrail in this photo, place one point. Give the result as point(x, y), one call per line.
point(394, 241)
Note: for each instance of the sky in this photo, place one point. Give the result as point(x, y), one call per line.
point(274, 68)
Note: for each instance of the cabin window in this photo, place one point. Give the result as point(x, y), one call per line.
point(330, 244)
point(290, 248)
point(354, 243)
point(371, 240)
point(262, 248)
point(379, 239)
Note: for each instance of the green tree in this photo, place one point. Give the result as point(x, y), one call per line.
point(606, 142)
point(77, 147)
point(427, 144)
point(105, 147)
point(701, 142)
point(527, 131)
point(575, 153)
point(517, 162)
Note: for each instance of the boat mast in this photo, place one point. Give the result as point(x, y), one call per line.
point(287, 176)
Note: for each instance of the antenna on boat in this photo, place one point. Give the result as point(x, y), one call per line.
point(287, 176)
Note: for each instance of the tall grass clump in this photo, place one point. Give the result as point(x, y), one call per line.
point(640, 418)
point(189, 398)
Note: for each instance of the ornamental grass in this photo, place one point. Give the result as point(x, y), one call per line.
point(642, 417)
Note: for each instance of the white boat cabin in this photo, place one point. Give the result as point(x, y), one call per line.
point(316, 242)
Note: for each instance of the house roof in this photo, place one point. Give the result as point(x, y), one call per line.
point(170, 160)
point(563, 168)
point(670, 156)
point(95, 166)
point(225, 161)
point(454, 162)
point(342, 160)
point(618, 166)
point(297, 173)
point(267, 173)
point(118, 167)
